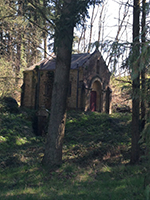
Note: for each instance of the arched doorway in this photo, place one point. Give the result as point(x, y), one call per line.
point(96, 96)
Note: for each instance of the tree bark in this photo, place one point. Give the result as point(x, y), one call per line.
point(135, 152)
point(91, 29)
point(64, 39)
point(143, 107)
point(19, 40)
point(44, 32)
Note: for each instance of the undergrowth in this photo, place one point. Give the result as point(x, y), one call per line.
point(95, 166)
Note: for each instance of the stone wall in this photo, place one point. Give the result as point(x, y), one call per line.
point(71, 102)
point(94, 75)
point(46, 86)
point(30, 81)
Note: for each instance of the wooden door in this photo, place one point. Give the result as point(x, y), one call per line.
point(93, 101)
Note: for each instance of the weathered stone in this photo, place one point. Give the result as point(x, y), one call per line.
point(88, 74)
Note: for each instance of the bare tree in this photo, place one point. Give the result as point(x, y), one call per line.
point(100, 21)
point(114, 50)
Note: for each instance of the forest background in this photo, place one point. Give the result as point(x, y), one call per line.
point(25, 29)
point(27, 25)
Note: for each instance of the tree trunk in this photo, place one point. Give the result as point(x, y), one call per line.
point(45, 44)
point(143, 107)
point(100, 23)
point(91, 29)
point(44, 32)
point(9, 47)
point(19, 40)
point(64, 39)
point(135, 85)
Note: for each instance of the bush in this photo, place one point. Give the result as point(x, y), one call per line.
point(8, 104)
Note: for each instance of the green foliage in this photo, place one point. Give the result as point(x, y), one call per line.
point(122, 92)
point(7, 78)
point(147, 192)
point(146, 134)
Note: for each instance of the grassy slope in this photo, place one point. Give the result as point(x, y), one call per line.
point(95, 153)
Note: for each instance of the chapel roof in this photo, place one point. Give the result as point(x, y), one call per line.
point(77, 60)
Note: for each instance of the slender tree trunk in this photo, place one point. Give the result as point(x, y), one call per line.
point(44, 32)
point(135, 85)
point(35, 33)
point(143, 70)
point(84, 41)
point(100, 23)
point(45, 45)
point(18, 56)
point(64, 39)
point(120, 27)
point(9, 47)
point(81, 37)
point(91, 29)
point(19, 40)
point(1, 40)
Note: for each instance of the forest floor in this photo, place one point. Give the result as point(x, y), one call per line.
point(96, 154)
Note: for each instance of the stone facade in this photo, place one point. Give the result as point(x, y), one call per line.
point(89, 80)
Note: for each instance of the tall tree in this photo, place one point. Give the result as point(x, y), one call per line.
point(91, 28)
point(44, 32)
point(64, 38)
point(143, 107)
point(69, 12)
point(19, 40)
point(18, 35)
point(135, 151)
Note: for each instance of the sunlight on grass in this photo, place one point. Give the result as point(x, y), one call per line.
point(84, 173)
point(2, 139)
point(70, 121)
point(26, 190)
point(120, 187)
point(82, 177)
point(21, 141)
point(105, 168)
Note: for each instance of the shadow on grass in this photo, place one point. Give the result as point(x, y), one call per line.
point(97, 127)
point(100, 136)
point(93, 155)
point(104, 182)
point(18, 144)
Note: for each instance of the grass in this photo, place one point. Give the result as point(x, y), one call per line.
point(96, 154)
